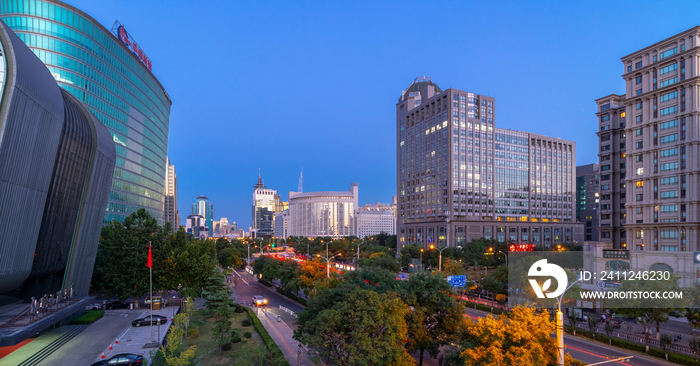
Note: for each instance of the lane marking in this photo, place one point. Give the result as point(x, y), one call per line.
point(597, 355)
point(127, 330)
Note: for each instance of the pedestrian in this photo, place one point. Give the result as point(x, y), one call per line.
point(585, 318)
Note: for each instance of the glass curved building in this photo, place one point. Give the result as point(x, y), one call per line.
point(313, 214)
point(96, 67)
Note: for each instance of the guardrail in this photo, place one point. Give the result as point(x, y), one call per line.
point(289, 311)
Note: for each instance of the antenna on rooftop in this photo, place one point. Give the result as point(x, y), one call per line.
point(301, 181)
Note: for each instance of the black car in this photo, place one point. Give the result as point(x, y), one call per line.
point(117, 305)
point(121, 359)
point(147, 320)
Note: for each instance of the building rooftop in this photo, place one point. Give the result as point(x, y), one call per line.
point(420, 82)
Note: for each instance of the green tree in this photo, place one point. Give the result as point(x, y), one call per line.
point(381, 260)
point(220, 306)
point(452, 267)
point(174, 351)
point(120, 265)
point(361, 328)
point(231, 257)
point(435, 316)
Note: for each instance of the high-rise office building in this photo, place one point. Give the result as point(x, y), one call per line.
point(376, 218)
point(110, 73)
point(204, 208)
point(657, 121)
point(266, 203)
point(587, 199)
point(171, 214)
point(460, 178)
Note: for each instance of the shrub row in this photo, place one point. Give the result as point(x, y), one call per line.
point(269, 343)
point(291, 295)
point(90, 317)
point(494, 310)
point(265, 282)
point(625, 344)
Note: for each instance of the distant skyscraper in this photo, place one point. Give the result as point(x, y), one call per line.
point(105, 69)
point(204, 208)
point(460, 178)
point(266, 203)
point(587, 196)
point(171, 213)
point(195, 226)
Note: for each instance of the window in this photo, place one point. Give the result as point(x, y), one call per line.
point(638, 79)
point(639, 132)
point(604, 107)
point(669, 124)
point(669, 110)
point(605, 138)
point(669, 152)
point(638, 65)
point(605, 118)
point(639, 158)
point(640, 144)
point(638, 119)
point(668, 96)
point(640, 183)
point(669, 138)
point(605, 177)
point(605, 148)
point(640, 197)
point(669, 180)
point(639, 91)
point(605, 167)
point(669, 233)
point(669, 68)
point(640, 171)
point(669, 194)
point(668, 53)
point(669, 82)
point(669, 166)
point(668, 208)
point(639, 105)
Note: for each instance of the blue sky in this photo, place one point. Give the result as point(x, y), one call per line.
point(285, 85)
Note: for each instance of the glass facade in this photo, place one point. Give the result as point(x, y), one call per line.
point(314, 216)
point(93, 65)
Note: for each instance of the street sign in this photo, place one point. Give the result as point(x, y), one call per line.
point(457, 281)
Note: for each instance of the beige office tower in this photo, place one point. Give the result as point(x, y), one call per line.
point(460, 178)
point(611, 112)
point(170, 211)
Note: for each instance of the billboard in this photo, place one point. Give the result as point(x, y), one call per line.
point(120, 32)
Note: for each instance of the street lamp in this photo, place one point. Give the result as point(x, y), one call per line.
point(248, 244)
point(421, 260)
point(440, 250)
point(328, 263)
point(560, 327)
point(358, 253)
point(504, 254)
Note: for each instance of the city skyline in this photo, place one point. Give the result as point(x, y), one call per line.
point(306, 51)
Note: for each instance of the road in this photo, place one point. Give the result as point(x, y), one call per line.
point(245, 291)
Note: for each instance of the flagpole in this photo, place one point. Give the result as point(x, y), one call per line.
point(151, 286)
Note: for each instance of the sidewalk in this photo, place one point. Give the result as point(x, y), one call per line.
point(134, 338)
point(281, 333)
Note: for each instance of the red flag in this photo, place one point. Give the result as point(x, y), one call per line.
point(149, 264)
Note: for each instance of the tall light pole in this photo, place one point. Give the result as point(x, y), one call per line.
point(560, 327)
point(358, 253)
point(421, 260)
point(328, 263)
point(504, 254)
point(440, 250)
point(248, 244)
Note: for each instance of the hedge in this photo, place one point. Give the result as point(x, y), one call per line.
point(269, 343)
point(90, 317)
point(265, 282)
point(291, 295)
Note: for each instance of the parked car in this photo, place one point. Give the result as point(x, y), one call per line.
point(259, 301)
point(117, 305)
point(121, 359)
point(148, 321)
point(93, 307)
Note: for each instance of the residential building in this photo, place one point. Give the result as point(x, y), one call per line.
point(377, 218)
point(56, 161)
point(203, 207)
point(170, 213)
point(656, 123)
point(587, 197)
point(329, 213)
point(106, 70)
point(460, 178)
point(266, 203)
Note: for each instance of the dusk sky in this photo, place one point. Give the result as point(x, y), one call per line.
point(285, 85)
